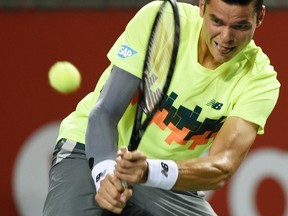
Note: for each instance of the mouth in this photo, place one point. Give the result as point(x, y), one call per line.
point(224, 49)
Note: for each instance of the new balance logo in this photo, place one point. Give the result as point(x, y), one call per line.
point(126, 52)
point(214, 104)
point(165, 169)
point(100, 175)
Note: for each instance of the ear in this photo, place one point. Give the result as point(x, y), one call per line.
point(261, 16)
point(202, 7)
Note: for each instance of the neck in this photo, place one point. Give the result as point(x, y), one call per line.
point(205, 58)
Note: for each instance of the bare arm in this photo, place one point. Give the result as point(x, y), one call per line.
point(226, 154)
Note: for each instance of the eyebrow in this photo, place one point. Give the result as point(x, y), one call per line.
point(241, 22)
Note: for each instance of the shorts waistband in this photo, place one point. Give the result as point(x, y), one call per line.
point(66, 148)
point(76, 145)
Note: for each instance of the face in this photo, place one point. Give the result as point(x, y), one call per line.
point(227, 29)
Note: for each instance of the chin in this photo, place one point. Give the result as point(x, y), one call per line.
point(224, 58)
point(221, 60)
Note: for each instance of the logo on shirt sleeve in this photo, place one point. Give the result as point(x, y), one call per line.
point(126, 52)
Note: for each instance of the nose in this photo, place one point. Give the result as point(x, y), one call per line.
point(227, 35)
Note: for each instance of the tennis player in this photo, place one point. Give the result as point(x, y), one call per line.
point(221, 95)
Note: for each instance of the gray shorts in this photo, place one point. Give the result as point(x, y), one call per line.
point(72, 191)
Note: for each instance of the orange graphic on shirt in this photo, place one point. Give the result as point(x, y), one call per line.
point(178, 135)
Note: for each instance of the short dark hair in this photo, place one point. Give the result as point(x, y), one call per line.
point(257, 3)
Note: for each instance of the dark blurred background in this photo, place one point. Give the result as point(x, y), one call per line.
point(96, 4)
point(34, 34)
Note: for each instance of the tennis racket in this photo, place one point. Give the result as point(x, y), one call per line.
point(158, 68)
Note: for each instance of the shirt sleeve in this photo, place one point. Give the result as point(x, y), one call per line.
point(257, 99)
point(101, 134)
point(129, 50)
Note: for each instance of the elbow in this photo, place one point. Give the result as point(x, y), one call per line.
point(220, 184)
point(98, 113)
point(94, 114)
point(226, 170)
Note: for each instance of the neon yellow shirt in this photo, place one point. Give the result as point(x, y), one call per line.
point(199, 99)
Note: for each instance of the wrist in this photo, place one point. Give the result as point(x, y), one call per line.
point(100, 170)
point(161, 174)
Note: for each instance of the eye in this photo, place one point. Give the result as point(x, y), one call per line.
point(217, 21)
point(242, 27)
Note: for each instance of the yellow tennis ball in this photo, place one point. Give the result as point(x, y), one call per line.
point(64, 77)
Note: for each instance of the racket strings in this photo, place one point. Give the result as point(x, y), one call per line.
point(158, 68)
point(158, 62)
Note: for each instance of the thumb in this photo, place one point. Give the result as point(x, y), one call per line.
point(121, 151)
point(125, 196)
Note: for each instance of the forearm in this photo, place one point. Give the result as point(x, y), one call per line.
point(227, 152)
point(102, 135)
point(207, 173)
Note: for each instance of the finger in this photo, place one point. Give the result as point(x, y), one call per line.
point(108, 190)
point(131, 176)
point(117, 183)
point(111, 187)
point(133, 156)
point(105, 204)
point(108, 197)
point(116, 210)
point(128, 166)
point(124, 198)
point(126, 194)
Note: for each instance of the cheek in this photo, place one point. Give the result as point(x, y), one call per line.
point(245, 37)
point(210, 30)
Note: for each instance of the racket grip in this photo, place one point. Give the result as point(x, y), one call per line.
point(124, 184)
point(119, 155)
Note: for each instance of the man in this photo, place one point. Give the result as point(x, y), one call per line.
point(225, 91)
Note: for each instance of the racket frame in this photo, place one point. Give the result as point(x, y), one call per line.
point(139, 127)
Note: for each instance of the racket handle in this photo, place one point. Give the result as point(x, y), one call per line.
point(124, 184)
point(119, 155)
